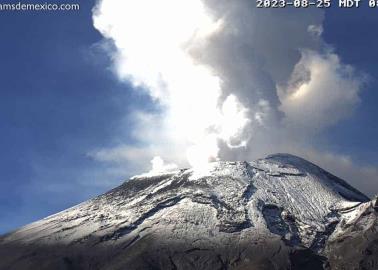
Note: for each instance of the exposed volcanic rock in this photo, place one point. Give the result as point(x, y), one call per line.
point(281, 212)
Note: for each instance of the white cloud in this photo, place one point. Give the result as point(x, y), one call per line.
point(233, 81)
point(320, 92)
point(315, 30)
point(152, 40)
point(159, 166)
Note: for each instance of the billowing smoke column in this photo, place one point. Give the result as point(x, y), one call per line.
point(233, 81)
point(153, 41)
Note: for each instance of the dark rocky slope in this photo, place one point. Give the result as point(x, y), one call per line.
point(281, 212)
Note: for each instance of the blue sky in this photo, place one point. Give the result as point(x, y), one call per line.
point(59, 100)
point(353, 33)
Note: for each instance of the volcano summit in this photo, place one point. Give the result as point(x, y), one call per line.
point(281, 212)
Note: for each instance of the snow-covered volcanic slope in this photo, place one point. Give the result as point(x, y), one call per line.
point(281, 212)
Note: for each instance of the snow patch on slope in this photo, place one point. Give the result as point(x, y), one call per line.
point(281, 196)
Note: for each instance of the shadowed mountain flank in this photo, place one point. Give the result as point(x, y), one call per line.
point(281, 212)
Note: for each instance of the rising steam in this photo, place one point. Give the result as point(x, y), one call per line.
point(234, 82)
point(153, 40)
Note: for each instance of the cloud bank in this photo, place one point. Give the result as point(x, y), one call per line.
point(232, 81)
point(320, 91)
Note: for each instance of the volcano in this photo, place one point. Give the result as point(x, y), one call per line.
point(281, 212)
